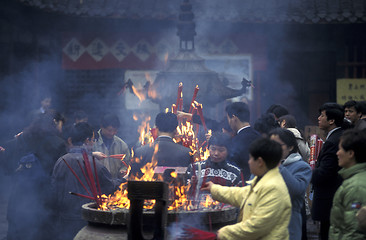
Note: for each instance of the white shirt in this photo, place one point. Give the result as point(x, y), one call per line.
point(331, 131)
point(242, 129)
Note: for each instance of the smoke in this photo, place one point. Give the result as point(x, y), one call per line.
point(176, 229)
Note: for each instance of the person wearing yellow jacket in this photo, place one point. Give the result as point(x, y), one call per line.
point(265, 205)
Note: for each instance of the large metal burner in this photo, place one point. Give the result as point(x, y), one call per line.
point(120, 216)
point(112, 224)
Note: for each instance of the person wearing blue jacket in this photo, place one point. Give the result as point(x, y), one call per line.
point(297, 176)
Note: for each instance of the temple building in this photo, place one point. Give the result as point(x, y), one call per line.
point(83, 52)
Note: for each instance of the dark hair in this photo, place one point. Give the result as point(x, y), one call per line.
point(239, 109)
point(355, 140)
point(166, 122)
point(269, 150)
point(287, 137)
point(265, 123)
point(110, 120)
point(290, 121)
point(220, 139)
point(224, 124)
point(278, 110)
point(352, 103)
point(78, 133)
point(362, 105)
point(44, 124)
point(334, 112)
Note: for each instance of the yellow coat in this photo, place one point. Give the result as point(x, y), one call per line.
point(265, 209)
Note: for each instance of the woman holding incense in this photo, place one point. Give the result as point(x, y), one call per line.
point(297, 175)
point(71, 176)
point(216, 168)
point(265, 205)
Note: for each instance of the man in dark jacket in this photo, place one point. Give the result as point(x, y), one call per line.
point(68, 207)
point(164, 150)
point(325, 179)
point(238, 116)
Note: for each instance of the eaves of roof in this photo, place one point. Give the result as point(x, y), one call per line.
point(248, 11)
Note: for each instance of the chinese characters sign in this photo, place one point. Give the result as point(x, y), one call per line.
point(351, 89)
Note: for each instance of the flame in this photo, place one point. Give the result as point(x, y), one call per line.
point(138, 93)
point(152, 93)
point(148, 77)
point(179, 192)
point(135, 118)
point(166, 57)
point(174, 174)
point(145, 131)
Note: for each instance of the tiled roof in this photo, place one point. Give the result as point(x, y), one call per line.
point(251, 11)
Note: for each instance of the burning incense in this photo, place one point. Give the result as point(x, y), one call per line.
point(180, 107)
point(179, 96)
point(193, 98)
point(85, 177)
point(118, 156)
point(97, 178)
point(82, 195)
point(73, 172)
point(174, 108)
point(242, 178)
point(91, 178)
point(195, 234)
point(199, 110)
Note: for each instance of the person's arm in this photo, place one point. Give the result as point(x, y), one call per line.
point(350, 198)
point(266, 212)
point(328, 165)
point(229, 195)
point(298, 181)
point(108, 184)
point(99, 155)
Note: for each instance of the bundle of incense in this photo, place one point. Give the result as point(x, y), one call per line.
point(82, 195)
point(179, 95)
point(192, 233)
point(118, 156)
point(315, 146)
point(94, 192)
point(242, 178)
point(90, 180)
point(199, 111)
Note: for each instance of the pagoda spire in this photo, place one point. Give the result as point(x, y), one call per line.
point(186, 27)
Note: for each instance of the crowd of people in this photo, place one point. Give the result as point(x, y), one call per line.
point(262, 170)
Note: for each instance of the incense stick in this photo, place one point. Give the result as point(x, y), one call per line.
point(82, 184)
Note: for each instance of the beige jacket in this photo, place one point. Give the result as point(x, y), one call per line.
point(265, 209)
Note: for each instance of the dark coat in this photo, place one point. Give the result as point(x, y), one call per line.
point(325, 179)
point(168, 153)
point(29, 207)
point(67, 208)
point(239, 153)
